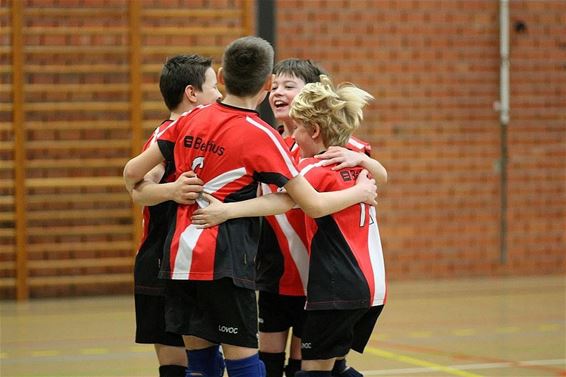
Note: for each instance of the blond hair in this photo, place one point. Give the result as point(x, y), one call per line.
point(337, 111)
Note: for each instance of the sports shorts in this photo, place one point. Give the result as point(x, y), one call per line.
point(150, 322)
point(280, 313)
point(216, 310)
point(333, 333)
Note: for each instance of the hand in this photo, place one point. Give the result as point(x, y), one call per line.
point(367, 187)
point(213, 214)
point(343, 157)
point(187, 188)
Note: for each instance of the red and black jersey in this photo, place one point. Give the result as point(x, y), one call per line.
point(231, 150)
point(282, 259)
point(346, 269)
point(156, 221)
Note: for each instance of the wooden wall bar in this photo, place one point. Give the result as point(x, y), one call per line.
point(78, 97)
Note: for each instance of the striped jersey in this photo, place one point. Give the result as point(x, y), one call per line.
point(155, 226)
point(346, 269)
point(231, 150)
point(282, 259)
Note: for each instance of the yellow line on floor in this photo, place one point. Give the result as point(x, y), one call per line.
point(419, 362)
point(94, 351)
point(44, 353)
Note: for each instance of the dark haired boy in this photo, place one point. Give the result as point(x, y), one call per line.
point(186, 81)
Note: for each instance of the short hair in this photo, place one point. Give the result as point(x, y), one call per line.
point(180, 71)
point(338, 111)
point(246, 64)
point(303, 69)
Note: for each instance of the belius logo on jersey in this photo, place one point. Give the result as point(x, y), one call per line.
point(227, 329)
point(349, 175)
point(202, 145)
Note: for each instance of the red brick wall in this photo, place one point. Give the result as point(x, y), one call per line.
point(433, 67)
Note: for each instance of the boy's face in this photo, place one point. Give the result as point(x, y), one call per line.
point(283, 89)
point(303, 137)
point(209, 93)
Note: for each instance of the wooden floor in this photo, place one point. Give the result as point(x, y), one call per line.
point(474, 327)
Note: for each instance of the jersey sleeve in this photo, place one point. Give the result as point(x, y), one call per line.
point(167, 138)
point(269, 156)
point(318, 177)
point(359, 145)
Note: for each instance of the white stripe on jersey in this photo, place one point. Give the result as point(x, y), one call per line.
point(283, 150)
point(154, 136)
point(184, 257)
point(191, 234)
point(223, 179)
point(308, 168)
point(218, 182)
point(294, 147)
point(174, 122)
point(356, 143)
point(376, 259)
point(297, 248)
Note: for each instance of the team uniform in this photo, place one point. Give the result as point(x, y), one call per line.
point(231, 150)
point(283, 261)
point(148, 289)
point(346, 287)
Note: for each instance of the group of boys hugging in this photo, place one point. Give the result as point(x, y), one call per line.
point(233, 206)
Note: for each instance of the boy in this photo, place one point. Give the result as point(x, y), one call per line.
point(346, 289)
point(282, 256)
point(210, 294)
point(346, 279)
point(185, 82)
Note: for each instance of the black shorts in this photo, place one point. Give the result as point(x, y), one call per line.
point(150, 322)
point(280, 313)
point(216, 310)
point(332, 333)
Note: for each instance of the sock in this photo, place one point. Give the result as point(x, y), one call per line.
point(313, 373)
point(206, 362)
point(274, 363)
point(339, 366)
point(172, 371)
point(340, 369)
point(248, 367)
point(293, 366)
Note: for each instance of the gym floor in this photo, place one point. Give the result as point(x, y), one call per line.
point(472, 327)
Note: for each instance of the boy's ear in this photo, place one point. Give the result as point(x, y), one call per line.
point(190, 92)
point(220, 76)
point(315, 131)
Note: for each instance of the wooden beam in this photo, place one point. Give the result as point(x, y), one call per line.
point(136, 101)
point(247, 17)
point(18, 118)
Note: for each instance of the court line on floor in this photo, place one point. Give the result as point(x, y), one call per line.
point(419, 362)
point(461, 356)
point(387, 372)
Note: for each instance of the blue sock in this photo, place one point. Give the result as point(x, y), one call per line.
point(249, 367)
point(206, 362)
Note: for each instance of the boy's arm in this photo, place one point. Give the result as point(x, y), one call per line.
point(315, 204)
point(136, 169)
point(345, 158)
point(185, 190)
point(218, 212)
